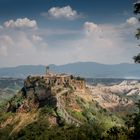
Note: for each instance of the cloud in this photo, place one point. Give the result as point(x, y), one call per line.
point(29, 42)
point(105, 34)
point(104, 43)
point(100, 36)
point(21, 23)
point(39, 42)
point(18, 42)
point(23, 42)
point(132, 21)
point(36, 38)
point(65, 12)
point(5, 43)
point(91, 28)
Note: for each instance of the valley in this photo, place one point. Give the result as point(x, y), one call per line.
point(9, 87)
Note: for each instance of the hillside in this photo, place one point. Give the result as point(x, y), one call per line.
point(119, 98)
point(54, 106)
point(83, 69)
point(9, 87)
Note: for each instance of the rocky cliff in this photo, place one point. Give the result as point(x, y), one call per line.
point(117, 98)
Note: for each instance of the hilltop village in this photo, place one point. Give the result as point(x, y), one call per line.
point(54, 81)
point(44, 90)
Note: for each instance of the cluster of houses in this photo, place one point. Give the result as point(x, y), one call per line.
point(46, 84)
point(54, 80)
point(65, 80)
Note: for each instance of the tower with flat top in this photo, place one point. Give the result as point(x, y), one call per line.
point(47, 70)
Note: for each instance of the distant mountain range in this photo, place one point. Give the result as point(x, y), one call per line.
point(83, 69)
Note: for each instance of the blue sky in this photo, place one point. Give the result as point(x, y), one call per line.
point(105, 11)
point(64, 31)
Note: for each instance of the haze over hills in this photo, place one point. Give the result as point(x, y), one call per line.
point(84, 69)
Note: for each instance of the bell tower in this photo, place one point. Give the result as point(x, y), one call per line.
point(47, 70)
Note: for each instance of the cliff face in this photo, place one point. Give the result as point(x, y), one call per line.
point(39, 91)
point(35, 93)
point(119, 98)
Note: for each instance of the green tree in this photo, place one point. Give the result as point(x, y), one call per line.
point(136, 123)
point(133, 124)
point(137, 11)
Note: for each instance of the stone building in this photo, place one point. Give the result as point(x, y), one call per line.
point(64, 80)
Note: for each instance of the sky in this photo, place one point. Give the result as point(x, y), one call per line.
point(58, 32)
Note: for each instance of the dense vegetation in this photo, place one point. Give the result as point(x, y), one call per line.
point(40, 130)
point(93, 128)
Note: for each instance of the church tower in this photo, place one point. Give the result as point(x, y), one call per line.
point(47, 70)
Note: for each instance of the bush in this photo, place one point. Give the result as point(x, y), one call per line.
point(46, 110)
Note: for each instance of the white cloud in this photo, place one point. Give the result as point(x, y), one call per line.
point(5, 43)
point(29, 43)
point(21, 23)
point(36, 38)
point(132, 21)
point(91, 28)
point(23, 42)
point(18, 42)
point(39, 42)
point(62, 12)
point(104, 43)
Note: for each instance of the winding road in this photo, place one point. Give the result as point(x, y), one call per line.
point(68, 118)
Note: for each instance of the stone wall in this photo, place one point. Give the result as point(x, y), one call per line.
point(65, 80)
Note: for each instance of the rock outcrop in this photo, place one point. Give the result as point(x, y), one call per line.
point(39, 91)
point(121, 97)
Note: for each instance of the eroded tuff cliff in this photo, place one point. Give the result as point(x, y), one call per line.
point(40, 97)
point(117, 98)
